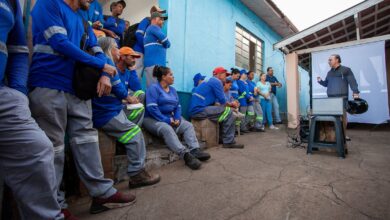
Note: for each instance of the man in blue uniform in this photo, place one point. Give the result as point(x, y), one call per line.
point(155, 45)
point(57, 37)
point(94, 15)
point(245, 99)
point(140, 34)
point(26, 154)
point(114, 23)
point(202, 106)
point(129, 77)
point(254, 108)
point(274, 100)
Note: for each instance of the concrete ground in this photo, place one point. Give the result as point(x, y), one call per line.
point(267, 180)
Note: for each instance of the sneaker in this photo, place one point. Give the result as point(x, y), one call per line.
point(68, 215)
point(143, 178)
point(233, 145)
point(201, 155)
point(347, 138)
point(273, 127)
point(191, 161)
point(117, 200)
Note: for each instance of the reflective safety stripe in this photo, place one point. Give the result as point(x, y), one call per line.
point(40, 48)
point(49, 32)
point(3, 48)
point(224, 114)
point(165, 39)
point(259, 118)
point(116, 82)
point(251, 113)
point(135, 113)
point(150, 44)
point(140, 31)
point(138, 93)
point(129, 135)
point(151, 104)
point(242, 95)
point(5, 7)
point(97, 49)
point(233, 91)
point(17, 49)
point(198, 95)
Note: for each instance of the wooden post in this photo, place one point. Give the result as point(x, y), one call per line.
point(292, 82)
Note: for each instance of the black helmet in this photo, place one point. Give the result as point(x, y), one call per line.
point(357, 106)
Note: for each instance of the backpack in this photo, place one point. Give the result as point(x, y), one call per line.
point(129, 39)
point(85, 78)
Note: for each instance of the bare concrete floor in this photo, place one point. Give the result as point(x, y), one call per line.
point(267, 180)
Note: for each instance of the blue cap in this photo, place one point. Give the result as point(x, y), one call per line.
point(197, 78)
point(229, 79)
point(243, 71)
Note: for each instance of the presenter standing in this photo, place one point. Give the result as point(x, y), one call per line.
point(337, 81)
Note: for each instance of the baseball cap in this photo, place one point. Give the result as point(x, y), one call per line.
point(219, 70)
point(155, 8)
point(197, 78)
point(128, 51)
point(229, 79)
point(157, 14)
point(243, 71)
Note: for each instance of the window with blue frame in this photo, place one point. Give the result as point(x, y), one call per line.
point(249, 50)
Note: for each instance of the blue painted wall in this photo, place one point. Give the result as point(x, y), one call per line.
point(202, 33)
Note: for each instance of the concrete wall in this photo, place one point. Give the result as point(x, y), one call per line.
point(304, 91)
point(202, 33)
point(135, 10)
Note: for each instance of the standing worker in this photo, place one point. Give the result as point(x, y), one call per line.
point(26, 154)
point(140, 34)
point(274, 100)
point(54, 104)
point(337, 81)
point(156, 44)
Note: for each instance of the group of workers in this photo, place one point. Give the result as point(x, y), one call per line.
point(38, 103)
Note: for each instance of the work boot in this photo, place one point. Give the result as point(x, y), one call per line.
point(200, 155)
point(117, 200)
point(233, 145)
point(143, 178)
point(191, 161)
point(68, 215)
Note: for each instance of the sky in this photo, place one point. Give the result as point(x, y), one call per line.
point(305, 13)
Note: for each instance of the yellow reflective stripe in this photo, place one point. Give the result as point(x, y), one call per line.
point(224, 114)
point(242, 95)
point(139, 92)
point(125, 138)
point(251, 113)
point(135, 113)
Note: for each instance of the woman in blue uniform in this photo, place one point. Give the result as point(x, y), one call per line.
point(163, 119)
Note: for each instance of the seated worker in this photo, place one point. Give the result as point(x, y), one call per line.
point(264, 90)
point(198, 79)
point(230, 101)
point(163, 119)
point(94, 16)
point(202, 106)
point(254, 107)
point(128, 76)
point(110, 118)
point(245, 98)
point(235, 75)
point(139, 35)
point(115, 25)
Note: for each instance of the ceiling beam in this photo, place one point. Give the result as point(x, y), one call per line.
point(345, 44)
point(347, 13)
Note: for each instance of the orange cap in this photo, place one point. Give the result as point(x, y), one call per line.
point(128, 51)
